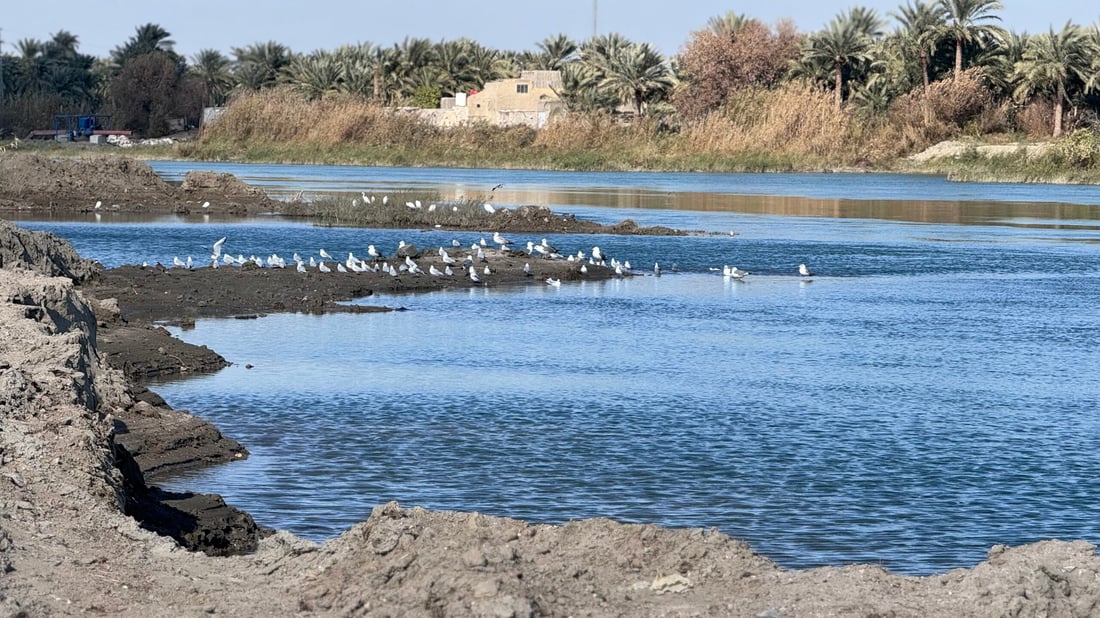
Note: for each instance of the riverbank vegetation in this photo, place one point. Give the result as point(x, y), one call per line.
point(865, 91)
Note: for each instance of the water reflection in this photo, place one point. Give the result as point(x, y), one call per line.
point(891, 197)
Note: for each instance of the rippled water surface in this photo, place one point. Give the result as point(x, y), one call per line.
point(932, 392)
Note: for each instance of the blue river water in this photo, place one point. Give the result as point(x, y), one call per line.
point(930, 393)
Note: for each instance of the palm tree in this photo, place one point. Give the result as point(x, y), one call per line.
point(147, 38)
point(845, 42)
point(966, 23)
point(922, 29)
point(212, 69)
point(261, 65)
point(1051, 61)
point(728, 25)
point(637, 74)
point(315, 75)
point(556, 51)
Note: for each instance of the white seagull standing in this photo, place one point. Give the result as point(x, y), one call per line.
point(325, 255)
point(805, 272)
point(323, 268)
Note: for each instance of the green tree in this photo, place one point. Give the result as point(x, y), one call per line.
point(556, 51)
point(147, 38)
point(1052, 62)
point(145, 93)
point(844, 43)
point(728, 25)
point(921, 30)
point(211, 67)
point(261, 65)
point(315, 75)
point(637, 74)
point(967, 22)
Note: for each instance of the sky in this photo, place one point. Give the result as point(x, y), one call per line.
point(305, 26)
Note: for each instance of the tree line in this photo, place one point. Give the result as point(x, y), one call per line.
point(871, 63)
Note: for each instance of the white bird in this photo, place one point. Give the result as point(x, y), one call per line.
point(447, 271)
point(656, 269)
point(323, 268)
point(549, 247)
point(206, 204)
point(619, 270)
point(805, 272)
point(218, 248)
point(417, 203)
point(489, 208)
point(447, 259)
point(482, 242)
point(228, 259)
point(431, 208)
point(312, 262)
point(176, 261)
point(733, 271)
point(435, 272)
point(373, 253)
point(486, 270)
point(502, 241)
point(385, 198)
point(597, 254)
point(473, 275)
point(189, 262)
point(527, 269)
point(325, 255)
point(98, 205)
point(554, 282)
point(584, 269)
point(301, 267)
point(455, 243)
point(626, 265)
point(341, 268)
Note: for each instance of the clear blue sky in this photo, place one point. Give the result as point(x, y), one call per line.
point(505, 24)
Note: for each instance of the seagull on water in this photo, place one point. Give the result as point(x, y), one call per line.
point(804, 271)
point(553, 282)
point(656, 269)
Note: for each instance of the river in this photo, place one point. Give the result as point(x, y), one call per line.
point(929, 393)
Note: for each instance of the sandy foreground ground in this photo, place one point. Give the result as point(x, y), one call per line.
point(84, 531)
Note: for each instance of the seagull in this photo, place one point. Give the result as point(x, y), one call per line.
point(455, 243)
point(325, 255)
point(435, 272)
point(597, 254)
point(497, 187)
point(385, 198)
point(206, 204)
point(553, 282)
point(527, 269)
point(805, 272)
point(489, 208)
point(98, 205)
point(549, 247)
point(176, 261)
point(584, 269)
point(341, 268)
point(301, 267)
point(656, 269)
point(733, 271)
point(374, 253)
point(228, 259)
point(218, 248)
point(325, 269)
point(500, 240)
point(473, 275)
point(447, 271)
point(487, 271)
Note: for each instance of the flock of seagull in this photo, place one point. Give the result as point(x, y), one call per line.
point(474, 264)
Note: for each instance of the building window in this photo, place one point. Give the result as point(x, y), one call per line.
point(521, 88)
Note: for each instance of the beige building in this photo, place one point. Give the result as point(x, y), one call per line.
point(526, 100)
